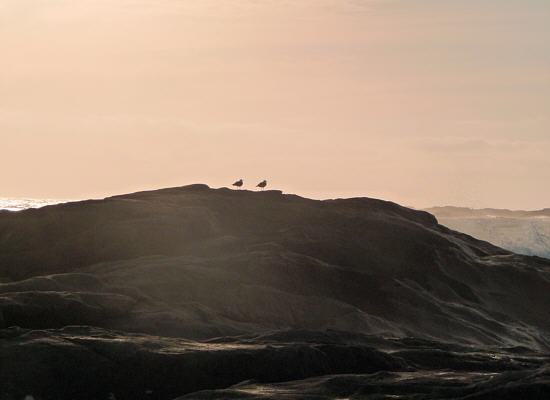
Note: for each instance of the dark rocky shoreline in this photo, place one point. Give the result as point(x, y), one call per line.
point(213, 293)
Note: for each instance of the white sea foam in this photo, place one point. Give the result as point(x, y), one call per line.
point(23, 204)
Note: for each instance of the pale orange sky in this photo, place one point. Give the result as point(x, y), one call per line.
point(423, 102)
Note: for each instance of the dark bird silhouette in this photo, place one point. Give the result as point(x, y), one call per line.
point(262, 184)
point(239, 183)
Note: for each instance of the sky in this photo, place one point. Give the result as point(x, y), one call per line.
point(422, 102)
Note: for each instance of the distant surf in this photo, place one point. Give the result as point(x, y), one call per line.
point(23, 204)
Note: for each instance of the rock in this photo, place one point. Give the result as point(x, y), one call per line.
point(165, 293)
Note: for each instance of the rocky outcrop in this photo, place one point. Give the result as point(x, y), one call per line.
point(91, 363)
point(256, 285)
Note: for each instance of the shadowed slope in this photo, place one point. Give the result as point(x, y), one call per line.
point(299, 281)
point(201, 262)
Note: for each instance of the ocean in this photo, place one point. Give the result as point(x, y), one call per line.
point(23, 204)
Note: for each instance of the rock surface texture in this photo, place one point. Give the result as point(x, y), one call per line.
point(199, 293)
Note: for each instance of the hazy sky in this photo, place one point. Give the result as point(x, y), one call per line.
point(424, 102)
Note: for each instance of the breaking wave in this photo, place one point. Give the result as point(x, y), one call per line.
point(23, 204)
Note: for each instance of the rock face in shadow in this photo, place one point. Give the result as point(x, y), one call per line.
point(90, 363)
point(419, 385)
point(220, 286)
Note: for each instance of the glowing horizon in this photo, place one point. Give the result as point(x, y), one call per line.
point(423, 103)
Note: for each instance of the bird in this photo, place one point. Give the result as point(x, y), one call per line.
point(262, 184)
point(239, 183)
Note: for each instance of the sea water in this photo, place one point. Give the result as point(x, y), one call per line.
point(23, 204)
